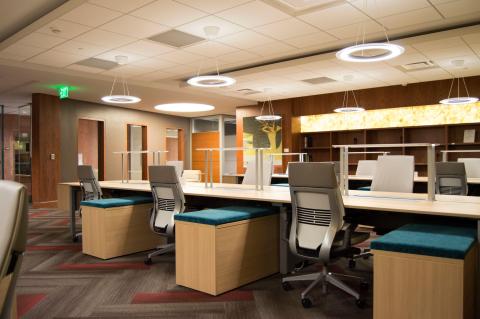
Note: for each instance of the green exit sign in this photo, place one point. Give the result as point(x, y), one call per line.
point(63, 92)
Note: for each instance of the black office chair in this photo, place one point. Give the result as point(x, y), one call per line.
point(451, 178)
point(90, 187)
point(318, 232)
point(168, 201)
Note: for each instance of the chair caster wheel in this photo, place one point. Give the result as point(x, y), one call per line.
point(286, 286)
point(364, 285)
point(306, 303)
point(352, 264)
point(360, 303)
point(148, 261)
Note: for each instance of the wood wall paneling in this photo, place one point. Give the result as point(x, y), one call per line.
point(45, 144)
point(201, 140)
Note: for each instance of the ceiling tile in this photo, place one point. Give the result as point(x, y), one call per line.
point(181, 57)
point(410, 18)
point(357, 31)
point(134, 27)
point(196, 27)
point(155, 63)
point(430, 75)
point(210, 49)
point(245, 39)
point(55, 58)
point(105, 38)
point(457, 8)
point(334, 17)
point(146, 48)
point(253, 14)
point(469, 61)
point(407, 59)
point(472, 38)
point(40, 40)
point(19, 52)
point(239, 56)
point(285, 29)
point(124, 6)
point(91, 15)
point(66, 29)
point(181, 70)
point(127, 71)
point(168, 13)
point(448, 53)
point(377, 9)
point(110, 56)
point(310, 40)
point(272, 48)
point(80, 48)
point(84, 68)
point(441, 44)
point(213, 6)
point(153, 76)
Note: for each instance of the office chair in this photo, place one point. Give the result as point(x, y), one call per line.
point(472, 166)
point(366, 167)
point(318, 232)
point(13, 238)
point(451, 178)
point(249, 177)
point(90, 187)
point(168, 201)
point(394, 173)
point(178, 166)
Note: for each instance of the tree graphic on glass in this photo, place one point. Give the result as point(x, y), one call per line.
point(265, 134)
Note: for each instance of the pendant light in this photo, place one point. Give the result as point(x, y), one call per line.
point(270, 112)
point(125, 97)
point(459, 99)
point(211, 81)
point(345, 108)
point(389, 50)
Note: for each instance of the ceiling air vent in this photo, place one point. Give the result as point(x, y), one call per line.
point(98, 63)
point(248, 91)
point(319, 80)
point(421, 65)
point(175, 38)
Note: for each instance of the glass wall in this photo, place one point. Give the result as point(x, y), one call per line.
point(15, 144)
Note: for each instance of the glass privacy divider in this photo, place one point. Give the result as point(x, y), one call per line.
point(125, 155)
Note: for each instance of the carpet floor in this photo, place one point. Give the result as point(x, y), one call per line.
point(58, 281)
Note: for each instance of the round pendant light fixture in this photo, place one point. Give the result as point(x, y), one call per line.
point(211, 81)
point(214, 80)
point(388, 51)
point(349, 109)
point(458, 99)
point(270, 115)
point(125, 97)
point(184, 107)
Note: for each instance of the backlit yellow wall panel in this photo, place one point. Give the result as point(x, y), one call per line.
point(394, 117)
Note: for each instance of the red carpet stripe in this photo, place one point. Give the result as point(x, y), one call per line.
point(26, 302)
point(62, 222)
point(100, 266)
point(38, 213)
point(53, 247)
point(191, 296)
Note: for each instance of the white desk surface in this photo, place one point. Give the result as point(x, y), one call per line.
point(445, 205)
point(418, 179)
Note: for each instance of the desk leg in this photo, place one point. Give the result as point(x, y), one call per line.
point(73, 207)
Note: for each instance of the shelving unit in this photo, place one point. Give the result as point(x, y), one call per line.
point(318, 145)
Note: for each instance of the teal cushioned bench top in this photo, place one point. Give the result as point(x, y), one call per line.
point(430, 240)
point(224, 215)
point(364, 188)
point(281, 184)
point(117, 202)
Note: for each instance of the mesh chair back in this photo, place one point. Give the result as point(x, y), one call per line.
point(317, 209)
point(91, 189)
point(394, 173)
point(451, 178)
point(168, 198)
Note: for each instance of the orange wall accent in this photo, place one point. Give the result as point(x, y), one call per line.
point(206, 139)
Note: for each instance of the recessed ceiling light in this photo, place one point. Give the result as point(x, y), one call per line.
point(184, 107)
point(390, 51)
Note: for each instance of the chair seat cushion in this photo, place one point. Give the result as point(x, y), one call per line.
point(117, 202)
point(430, 240)
point(355, 238)
point(224, 215)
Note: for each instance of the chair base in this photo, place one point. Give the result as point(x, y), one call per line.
point(160, 250)
point(324, 278)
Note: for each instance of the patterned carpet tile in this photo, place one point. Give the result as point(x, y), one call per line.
point(191, 296)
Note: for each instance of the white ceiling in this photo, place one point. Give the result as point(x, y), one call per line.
point(252, 32)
